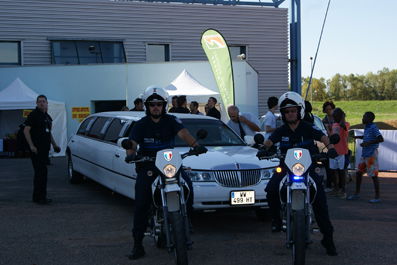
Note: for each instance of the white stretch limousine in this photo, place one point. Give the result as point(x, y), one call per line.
point(228, 175)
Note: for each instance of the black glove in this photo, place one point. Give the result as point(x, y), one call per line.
point(199, 149)
point(332, 153)
point(264, 152)
point(130, 158)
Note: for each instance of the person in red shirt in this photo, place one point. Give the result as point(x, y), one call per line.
point(337, 165)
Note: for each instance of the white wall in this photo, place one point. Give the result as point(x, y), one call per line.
point(78, 86)
point(387, 151)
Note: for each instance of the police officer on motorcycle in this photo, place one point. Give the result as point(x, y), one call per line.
point(154, 132)
point(295, 132)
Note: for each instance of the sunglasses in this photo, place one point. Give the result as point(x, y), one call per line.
point(158, 104)
point(290, 111)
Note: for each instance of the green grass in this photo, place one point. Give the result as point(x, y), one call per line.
point(385, 110)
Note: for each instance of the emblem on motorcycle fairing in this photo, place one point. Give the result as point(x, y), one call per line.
point(298, 154)
point(168, 155)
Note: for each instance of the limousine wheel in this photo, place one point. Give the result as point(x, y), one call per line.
point(74, 176)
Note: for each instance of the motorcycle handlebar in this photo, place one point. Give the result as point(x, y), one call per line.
point(191, 152)
point(282, 156)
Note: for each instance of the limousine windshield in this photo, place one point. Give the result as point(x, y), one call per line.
point(218, 133)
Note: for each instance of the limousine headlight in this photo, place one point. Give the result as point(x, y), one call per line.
point(266, 173)
point(169, 171)
point(201, 176)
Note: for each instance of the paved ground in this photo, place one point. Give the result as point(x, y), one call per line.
point(87, 224)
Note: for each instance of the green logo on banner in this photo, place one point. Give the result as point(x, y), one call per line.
point(217, 51)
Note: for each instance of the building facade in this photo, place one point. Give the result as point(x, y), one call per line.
point(103, 31)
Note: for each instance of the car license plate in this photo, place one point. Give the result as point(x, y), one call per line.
point(242, 197)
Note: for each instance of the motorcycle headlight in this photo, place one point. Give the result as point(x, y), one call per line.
point(265, 174)
point(201, 176)
point(298, 169)
point(169, 171)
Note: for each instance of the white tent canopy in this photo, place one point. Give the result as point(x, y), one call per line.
point(186, 84)
point(18, 96)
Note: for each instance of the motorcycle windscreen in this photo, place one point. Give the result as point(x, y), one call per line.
point(298, 156)
point(168, 157)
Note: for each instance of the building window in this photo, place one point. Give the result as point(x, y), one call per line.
point(157, 52)
point(10, 53)
point(87, 52)
point(236, 51)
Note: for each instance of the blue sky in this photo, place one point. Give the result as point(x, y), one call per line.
point(359, 37)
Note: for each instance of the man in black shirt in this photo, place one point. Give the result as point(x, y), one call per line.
point(154, 132)
point(182, 103)
point(297, 133)
point(194, 108)
point(212, 111)
point(38, 135)
point(138, 103)
point(174, 104)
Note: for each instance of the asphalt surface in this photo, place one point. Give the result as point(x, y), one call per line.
point(88, 224)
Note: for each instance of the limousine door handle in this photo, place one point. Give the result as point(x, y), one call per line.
point(117, 155)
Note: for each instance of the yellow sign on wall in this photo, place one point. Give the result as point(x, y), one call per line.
point(26, 112)
point(80, 113)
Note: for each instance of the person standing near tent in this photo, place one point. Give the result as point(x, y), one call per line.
point(138, 103)
point(212, 111)
point(182, 105)
point(174, 104)
point(194, 108)
point(38, 135)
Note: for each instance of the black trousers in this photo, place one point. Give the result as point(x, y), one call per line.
point(320, 206)
point(39, 162)
point(143, 199)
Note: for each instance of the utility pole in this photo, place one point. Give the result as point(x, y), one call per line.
point(311, 89)
point(295, 47)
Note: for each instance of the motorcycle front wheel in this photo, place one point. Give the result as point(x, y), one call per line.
point(298, 237)
point(179, 238)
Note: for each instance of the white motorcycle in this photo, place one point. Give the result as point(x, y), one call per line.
point(297, 192)
point(168, 221)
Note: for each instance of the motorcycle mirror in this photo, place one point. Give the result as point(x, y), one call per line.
point(201, 134)
point(258, 138)
point(334, 139)
point(126, 144)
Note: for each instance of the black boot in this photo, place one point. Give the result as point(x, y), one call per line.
point(328, 244)
point(276, 225)
point(137, 252)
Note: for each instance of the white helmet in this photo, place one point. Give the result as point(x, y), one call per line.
point(292, 99)
point(155, 93)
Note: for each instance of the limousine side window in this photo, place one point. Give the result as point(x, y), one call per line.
point(113, 132)
point(95, 131)
point(127, 132)
point(85, 125)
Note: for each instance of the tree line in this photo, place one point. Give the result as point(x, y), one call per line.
point(379, 86)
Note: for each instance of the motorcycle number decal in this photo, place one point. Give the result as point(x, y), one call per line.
point(298, 154)
point(168, 155)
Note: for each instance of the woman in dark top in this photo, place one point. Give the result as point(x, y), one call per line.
point(328, 108)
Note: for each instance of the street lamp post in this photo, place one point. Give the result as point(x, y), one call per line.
point(311, 69)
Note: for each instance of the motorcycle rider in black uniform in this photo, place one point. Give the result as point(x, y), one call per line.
point(154, 132)
point(295, 132)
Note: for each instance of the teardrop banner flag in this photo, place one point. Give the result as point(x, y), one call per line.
point(218, 54)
